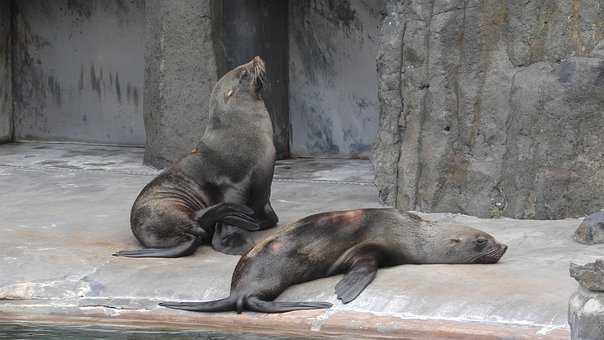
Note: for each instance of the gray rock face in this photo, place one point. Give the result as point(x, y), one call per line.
point(492, 108)
point(180, 72)
point(590, 276)
point(591, 230)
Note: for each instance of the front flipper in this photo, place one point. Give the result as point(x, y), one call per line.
point(356, 280)
point(183, 249)
point(362, 263)
point(231, 240)
point(230, 213)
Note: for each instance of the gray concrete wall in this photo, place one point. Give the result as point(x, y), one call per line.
point(259, 27)
point(6, 96)
point(180, 72)
point(332, 76)
point(80, 70)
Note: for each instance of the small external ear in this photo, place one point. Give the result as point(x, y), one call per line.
point(228, 95)
point(455, 240)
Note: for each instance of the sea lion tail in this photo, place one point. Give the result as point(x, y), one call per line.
point(255, 304)
point(222, 305)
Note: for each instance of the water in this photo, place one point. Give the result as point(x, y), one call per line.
point(15, 331)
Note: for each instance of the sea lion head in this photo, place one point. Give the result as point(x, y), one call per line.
point(244, 81)
point(460, 244)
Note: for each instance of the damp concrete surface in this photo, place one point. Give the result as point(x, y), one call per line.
point(65, 210)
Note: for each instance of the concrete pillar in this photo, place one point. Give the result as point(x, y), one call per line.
point(6, 94)
point(180, 72)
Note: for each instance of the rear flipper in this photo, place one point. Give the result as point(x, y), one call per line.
point(229, 213)
point(257, 305)
point(183, 249)
point(239, 304)
point(223, 305)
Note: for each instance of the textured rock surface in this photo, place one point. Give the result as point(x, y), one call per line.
point(591, 230)
point(6, 95)
point(590, 276)
point(180, 71)
point(492, 108)
point(586, 315)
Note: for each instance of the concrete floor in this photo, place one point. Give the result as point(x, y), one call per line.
point(65, 209)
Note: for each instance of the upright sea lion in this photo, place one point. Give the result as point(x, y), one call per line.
point(223, 185)
point(354, 242)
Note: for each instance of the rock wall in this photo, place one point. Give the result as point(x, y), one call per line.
point(6, 94)
point(180, 72)
point(79, 70)
point(492, 108)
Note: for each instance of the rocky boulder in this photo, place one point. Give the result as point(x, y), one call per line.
point(590, 276)
point(591, 230)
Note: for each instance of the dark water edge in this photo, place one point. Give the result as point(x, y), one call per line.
point(16, 331)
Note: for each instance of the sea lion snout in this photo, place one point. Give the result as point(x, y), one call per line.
point(256, 69)
point(258, 60)
point(494, 254)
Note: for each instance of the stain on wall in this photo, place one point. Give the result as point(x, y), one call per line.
point(80, 67)
point(332, 76)
point(6, 96)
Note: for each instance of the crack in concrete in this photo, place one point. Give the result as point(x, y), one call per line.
point(71, 286)
point(71, 170)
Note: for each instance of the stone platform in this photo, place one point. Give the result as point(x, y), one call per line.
point(65, 209)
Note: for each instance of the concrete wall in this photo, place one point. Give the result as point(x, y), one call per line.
point(332, 76)
point(80, 70)
point(6, 96)
point(259, 27)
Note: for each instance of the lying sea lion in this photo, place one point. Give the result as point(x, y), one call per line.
point(222, 186)
point(354, 242)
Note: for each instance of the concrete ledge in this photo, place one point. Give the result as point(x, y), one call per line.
point(301, 323)
point(65, 210)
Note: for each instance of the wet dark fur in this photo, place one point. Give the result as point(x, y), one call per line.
point(354, 242)
point(222, 188)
